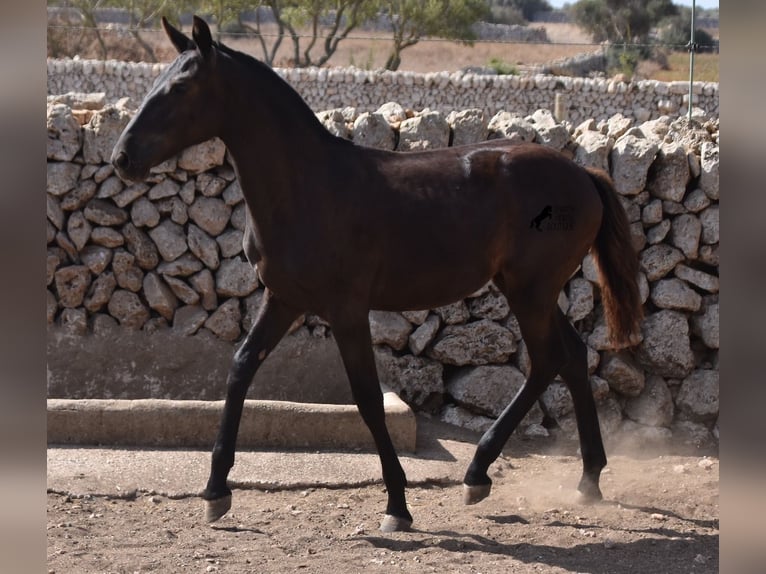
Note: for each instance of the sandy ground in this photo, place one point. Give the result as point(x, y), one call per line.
point(660, 513)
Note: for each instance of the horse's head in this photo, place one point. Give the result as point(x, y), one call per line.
point(182, 108)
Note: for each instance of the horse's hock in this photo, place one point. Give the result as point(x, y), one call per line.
point(148, 292)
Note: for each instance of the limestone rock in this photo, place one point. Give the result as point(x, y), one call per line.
point(159, 296)
point(51, 306)
point(130, 193)
point(389, 328)
point(658, 260)
point(392, 112)
point(486, 389)
point(593, 150)
point(652, 212)
point(416, 317)
point(235, 278)
point(204, 283)
point(78, 229)
point(62, 177)
point(710, 225)
point(421, 337)
point(225, 320)
point(491, 305)
point(334, 122)
point(230, 243)
point(622, 374)
point(143, 213)
point(96, 258)
point(464, 418)
point(184, 266)
point(468, 126)
point(211, 214)
point(709, 161)
point(203, 246)
point(580, 298)
point(697, 278)
point(427, 131)
point(373, 130)
point(669, 173)
point(170, 240)
point(202, 157)
point(128, 275)
point(126, 307)
point(141, 246)
point(417, 380)
point(698, 396)
point(210, 185)
point(182, 290)
point(107, 237)
point(74, 321)
point(64, 133)
point(631, 158)
point(454, 313)
point(189, 319)
point(696, 200)
point(165, 188)
point(100, 292)
point(685, 234)
point(665, 349)
point(101, 133)
point(104, 212)
point(654, 406)
point(706, 326)
point(549, 132)
point(675, 294)
point(476, 343)
point(515, 128)
point(71, 284)
point(76, 199)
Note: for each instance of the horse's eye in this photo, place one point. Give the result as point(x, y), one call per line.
point(179, 88)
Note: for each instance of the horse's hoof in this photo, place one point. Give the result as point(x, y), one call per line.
point(395, 524)
point(474, 494)
point(589, 493)
point(214, 509)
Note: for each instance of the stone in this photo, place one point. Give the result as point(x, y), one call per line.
point(232, 195)
point(617, 125)
point(651, 214)
point(74, 321)
point(427, 131)
point(654, 406)
point(189, 319)
point(558, 400)
point(204, 283)
point(210, 185)
point(709, 175)
point(54, 257)
point(580, 298)
point(622, 374)
point(104, 212)
point(417, 380)
point(468, 126)
point(141, 246)
point(698, 396)
point(549, 132)
point(107, 237)
point(631, 158)
point(128, 275)
point(159, 296)
point(188, 192)
point(464, 418)
point(63, 241)
point(110, 187)
point(175, 208)
point(143, 213)
point(392, 112)
point(659, 260)
point(590, 269)
point(665, 349)
point(100, 292)
point(696, 200)
point(211, 214)
point(389, 328)
point(230, 243)
point(486, 389)
point(658, 233)
point(416, 317)
point(170, 240)
point(334, 122)
point(705, 281)
point(373, 130)
point(593, 150)
point(76, 199)
point(706, 326)
point(710, 225)
point(685, 233)
point(477, 343)
point(203, 246)
point(78, 229)
point(421, 337)
point(54, 212)
point(491, 305)
point(96, 258)
point(62, 177)
point(165, 188)
point(225, 321)
point(675, 294)
point(235, 278)
point(202, 157)
point(72, 282)
point(130, 194)
point(453, 313)
point(669, 174)
point(64, 133)
point(182, 290)
point(126, 307)
point(515, 128)
point(184, 266)
point(51, 306)
point(101, 133)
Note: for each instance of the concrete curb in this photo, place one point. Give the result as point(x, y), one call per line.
point(193, 423)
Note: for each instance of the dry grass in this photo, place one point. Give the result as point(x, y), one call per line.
point(705, 68)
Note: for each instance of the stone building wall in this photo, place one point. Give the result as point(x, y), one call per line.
point(164, 259)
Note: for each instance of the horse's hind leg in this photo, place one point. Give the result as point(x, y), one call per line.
point(575, 375)
point(272, 323)
point(546, 354)
point(355, 344)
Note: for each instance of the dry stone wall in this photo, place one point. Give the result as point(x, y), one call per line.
point(327, 88)
point(165, 256)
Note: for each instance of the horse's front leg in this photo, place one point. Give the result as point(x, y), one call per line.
point(268, 329)
point(355, 344)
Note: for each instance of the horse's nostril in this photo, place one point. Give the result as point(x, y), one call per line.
point(121, 160)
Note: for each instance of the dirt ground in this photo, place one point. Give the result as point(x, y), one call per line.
point(660, 515)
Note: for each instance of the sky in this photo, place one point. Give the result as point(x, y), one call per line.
point(700, 3)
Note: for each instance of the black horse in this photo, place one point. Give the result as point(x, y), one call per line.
point(337, 229)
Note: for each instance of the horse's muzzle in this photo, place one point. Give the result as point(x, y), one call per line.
point(125, 168)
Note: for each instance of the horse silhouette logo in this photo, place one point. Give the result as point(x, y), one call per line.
point(546, 213)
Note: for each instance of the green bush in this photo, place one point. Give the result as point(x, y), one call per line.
point(502, 68)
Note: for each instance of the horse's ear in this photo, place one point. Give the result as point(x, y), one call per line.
point(181, 42)
point(202, 37)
